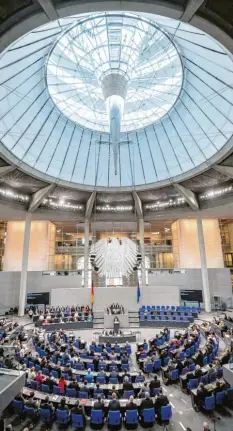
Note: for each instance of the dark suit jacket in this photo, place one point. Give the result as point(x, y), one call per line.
point(127, 386)
point(161, 401)
point(98, 405)
point(146, 404)
point(131, 406)
point(154, 384)
point(114, 405)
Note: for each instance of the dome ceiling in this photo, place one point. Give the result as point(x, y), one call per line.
point(178, 107)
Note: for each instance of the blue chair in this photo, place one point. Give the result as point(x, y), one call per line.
point(182, 356)
point(42, 353)
point(34, 385)
point(148, 417)
point(91, 366)
point(77, 421)
point(219, 398)
point(46, 416)
point(155, 391)
point(149, 368)
point(54, 373)
point(83, 395)
point(205, 361)
point(37, 368)
point(18, 407)
point(78, 366)
point(166, 413)
point(212, 377)
point(113, 380)
point(56, 390)
point(174, 375)
point(89, 378)
point(204, 379)
point(188, 352)
point(97, 419)
point(139, 379)
point(45, 371)
point(184, 371)
point(128, 394)
point(192, 367)
point(62, 417)
point(229, 395)
point(71, 392)
point(209, 403)
point(101, 380)
point(192, 384)
point(166, 360)
point(125, 367)
point(45, 388)
point(114, 419)
point(30, 364)
point(157, 364)
point(131, 419)
point(30, 412)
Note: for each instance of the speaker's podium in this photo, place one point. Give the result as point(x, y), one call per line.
point(116, 325)
point(113, 321)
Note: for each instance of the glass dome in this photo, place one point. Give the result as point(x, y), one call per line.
point(123, 45)
point(172, 85)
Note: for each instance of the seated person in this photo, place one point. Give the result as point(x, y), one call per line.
point(98, 404)
point(226, 357)
point(201, 394)
point(199, 358)
point(63, 406)
point(131, 405)
point(62, 384)
point(161, 401)
point(114, 403)
point(32, 402)
point(79, 410)
point(89, 376)
point(154, 384)
point(146, 403)
point(127, 386)
point(46, 405)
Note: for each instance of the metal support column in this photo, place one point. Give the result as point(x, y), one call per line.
point(204, 270)
point(23, 278)
point(142, 247)
point(86, 251)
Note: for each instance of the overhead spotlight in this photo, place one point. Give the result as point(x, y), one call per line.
point(96, 268)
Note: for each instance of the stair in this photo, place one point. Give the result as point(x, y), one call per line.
point(98, 320)
point(133, 319)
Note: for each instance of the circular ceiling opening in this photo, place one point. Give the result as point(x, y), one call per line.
point(129, 55)
point(115, 100)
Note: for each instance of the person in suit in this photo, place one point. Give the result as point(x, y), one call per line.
point(62, 405)
point(198, 372)
point(146, 403)
point(131, 405)
point(114, 403)
point(154, 384)
point(201, 394)
point(161, 401)
point(127, 386)
point(98, 404)
point(46, 405)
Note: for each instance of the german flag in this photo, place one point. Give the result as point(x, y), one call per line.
point(92, 293)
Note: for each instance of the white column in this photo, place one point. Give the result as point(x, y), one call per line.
point(86, 251)
point(142, 247)
point(204, 270)
point(23, 278)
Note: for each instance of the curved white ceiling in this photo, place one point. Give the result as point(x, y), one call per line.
point(35, 131)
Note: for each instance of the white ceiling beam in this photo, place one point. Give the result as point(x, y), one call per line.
point(89, 205)
point(226, 170)
point(138, 205)
point(5, 170)
point(189, 196)
point(192, 7)
point(39, 196)
point(49, 9)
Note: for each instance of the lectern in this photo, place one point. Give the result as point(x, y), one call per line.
point(116, 325)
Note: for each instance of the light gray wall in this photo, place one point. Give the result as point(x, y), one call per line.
point(220, 284)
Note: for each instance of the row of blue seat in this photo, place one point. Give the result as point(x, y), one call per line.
point(170, 307)
point(114, 418)
point(218, 399)
point(164, 318)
